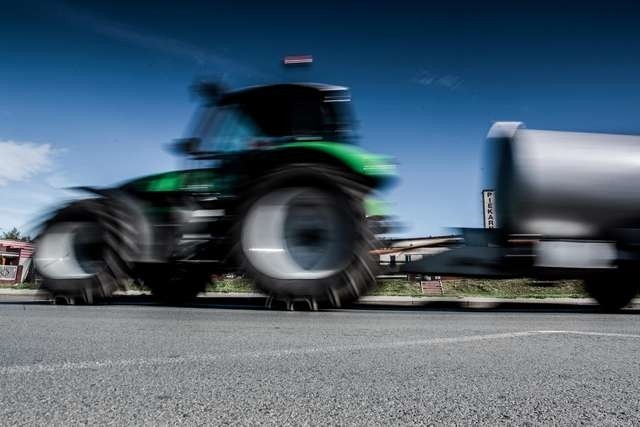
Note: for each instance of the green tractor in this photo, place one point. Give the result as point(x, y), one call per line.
point(277, 191)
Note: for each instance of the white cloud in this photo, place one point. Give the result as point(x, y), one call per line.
point(20, 161)
point(447, 81)
point(30, 177)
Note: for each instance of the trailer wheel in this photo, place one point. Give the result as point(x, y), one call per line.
point(76, 257)
point(612, 292)
point(304, 237)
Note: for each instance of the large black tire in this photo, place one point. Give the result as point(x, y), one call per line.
point(79, 253)
point(173, 284)
point(302, 235)
point(612, 292)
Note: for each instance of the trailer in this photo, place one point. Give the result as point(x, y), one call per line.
point(568, 206)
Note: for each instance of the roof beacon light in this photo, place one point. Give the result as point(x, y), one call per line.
point(297, 59)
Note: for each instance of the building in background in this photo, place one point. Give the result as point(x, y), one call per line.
point(15, 261)
point(396, 252)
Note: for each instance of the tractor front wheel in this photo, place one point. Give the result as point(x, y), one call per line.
point(77, 255)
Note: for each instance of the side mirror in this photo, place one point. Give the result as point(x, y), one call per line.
point(185, 146)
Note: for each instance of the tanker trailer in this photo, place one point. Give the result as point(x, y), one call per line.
point(568, 206)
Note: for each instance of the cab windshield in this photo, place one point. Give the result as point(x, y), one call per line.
point(224, 130)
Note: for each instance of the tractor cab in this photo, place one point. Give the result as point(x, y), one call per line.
point(263, 116)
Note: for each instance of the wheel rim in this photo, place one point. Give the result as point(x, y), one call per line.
point(297, 233)
point(70, 250)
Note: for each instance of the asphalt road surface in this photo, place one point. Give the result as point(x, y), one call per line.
point(147, 364)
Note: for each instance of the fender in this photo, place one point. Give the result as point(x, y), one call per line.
point(373, 166)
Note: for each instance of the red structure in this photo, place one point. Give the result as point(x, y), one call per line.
point(15, 261)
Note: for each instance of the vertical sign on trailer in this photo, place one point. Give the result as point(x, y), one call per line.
point(488, 203)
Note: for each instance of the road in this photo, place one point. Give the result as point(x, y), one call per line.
point(147, 364)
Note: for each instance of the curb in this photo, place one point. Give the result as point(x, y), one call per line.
point(470, 302)
point(28, 292)
point(488, 303)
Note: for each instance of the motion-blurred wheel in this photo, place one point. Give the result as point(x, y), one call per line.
point(76, 257)
point(612, 292)
point(304, 236)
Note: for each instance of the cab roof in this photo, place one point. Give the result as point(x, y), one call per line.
point(294, 109)
point(319, 91)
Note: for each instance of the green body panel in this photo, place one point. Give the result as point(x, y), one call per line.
point(374, 207)
point(207, 180)
point(196, 180)
point(357, 159)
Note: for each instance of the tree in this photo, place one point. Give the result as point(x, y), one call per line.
point(15, 234)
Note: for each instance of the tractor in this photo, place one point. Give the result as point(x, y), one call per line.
point(276, 189)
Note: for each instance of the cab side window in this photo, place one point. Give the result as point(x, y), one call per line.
point(230, 131)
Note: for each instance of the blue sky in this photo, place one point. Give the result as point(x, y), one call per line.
point(92, 92)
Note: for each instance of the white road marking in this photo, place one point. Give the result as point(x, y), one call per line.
point(594, 334)
point(154, 361)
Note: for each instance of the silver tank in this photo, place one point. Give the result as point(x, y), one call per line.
point(565, 184)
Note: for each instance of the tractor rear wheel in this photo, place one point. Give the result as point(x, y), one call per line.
point(304, 236)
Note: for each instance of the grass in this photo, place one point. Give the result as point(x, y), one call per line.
point(397, 287)
point(514, 288)
point(511, 288)
point(226, 286)
point(508, 288)
point(20, 286)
